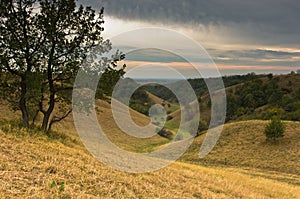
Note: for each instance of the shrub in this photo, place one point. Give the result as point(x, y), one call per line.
point(169, 117)
point(165, 133)
point(275, 129)
point(202, 127)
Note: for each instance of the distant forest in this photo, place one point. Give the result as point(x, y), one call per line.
point(249, 96)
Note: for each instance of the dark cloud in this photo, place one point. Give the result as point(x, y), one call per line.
point(203, 11)
point(271, 21)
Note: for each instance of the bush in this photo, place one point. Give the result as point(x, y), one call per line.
point(165, 133)
point(202, 127)
point(169, 117)
point(275, 129)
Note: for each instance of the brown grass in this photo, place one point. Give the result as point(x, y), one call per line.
point(36, 166)
point(42, 168)
point(243, 144)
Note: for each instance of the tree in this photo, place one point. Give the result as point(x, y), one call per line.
point(249, 101)
point(19, 32)
point(202, 126)
point(275, 129)
point(270, 76)
point(275, 96)
point(232, 105)
point(43, 43)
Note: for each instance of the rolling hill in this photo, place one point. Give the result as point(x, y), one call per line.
point(258, 98)
point(39, 167)
point(243, 144)
point(241, 165)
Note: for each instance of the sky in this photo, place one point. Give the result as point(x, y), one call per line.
point(261, 36)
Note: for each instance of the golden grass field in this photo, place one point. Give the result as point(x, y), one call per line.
point(36, 167)
point(243, 144)
point(242, 165)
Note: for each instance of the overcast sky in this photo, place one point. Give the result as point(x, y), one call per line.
point(241, 36)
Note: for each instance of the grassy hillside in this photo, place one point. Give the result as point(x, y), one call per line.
point(105, 118)
point(242, 164)
point(38, 167)
point(243, 144)
point(122, 139)
point(169, 106)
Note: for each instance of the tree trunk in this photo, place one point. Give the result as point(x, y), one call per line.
point(58, 119)
point(45, 122)
point(47, 114)
point(34, 117)
point(22, 103)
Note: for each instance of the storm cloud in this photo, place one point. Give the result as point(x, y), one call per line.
point(240, 36)
point(269, 21)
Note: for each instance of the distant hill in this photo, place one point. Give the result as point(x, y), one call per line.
point(265, 97)
point(248, 97)
point(198, 85)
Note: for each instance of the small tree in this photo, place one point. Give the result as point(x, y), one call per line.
point(202, 127)
point(275, 129)
point(43, 44)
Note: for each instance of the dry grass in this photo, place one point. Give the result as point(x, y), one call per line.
point(42, 168)
point(36, 166)
point(120, 138)
point(243, 144)
point(66, 128)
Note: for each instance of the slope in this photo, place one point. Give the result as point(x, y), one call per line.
point(113, 132)
point(243, 144)
point(36, 167)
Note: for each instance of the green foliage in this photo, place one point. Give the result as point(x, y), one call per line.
point(275, 129)
point(52, 184)
point(161, 92)
point(232, 105)
point(136, 105)
point(43, 49)
point(108, 81)
point(274, 112)
point(275, 97)
point(255, 96)
point(263, 99)
point(140, 101)
point(62, 186)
